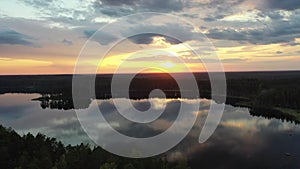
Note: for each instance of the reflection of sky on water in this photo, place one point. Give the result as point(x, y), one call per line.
point(240, 139)
point(23, 115)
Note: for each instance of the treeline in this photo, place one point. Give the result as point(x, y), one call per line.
point(270, 113)
point(272, 89)
point(286, 97)
point(41, 152)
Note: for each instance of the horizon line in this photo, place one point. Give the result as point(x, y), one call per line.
point(60, 74)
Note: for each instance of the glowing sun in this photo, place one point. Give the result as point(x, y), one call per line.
point(168, 64)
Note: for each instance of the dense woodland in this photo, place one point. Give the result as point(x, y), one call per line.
point(41, 152)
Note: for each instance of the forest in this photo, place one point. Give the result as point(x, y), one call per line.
point(41, 152)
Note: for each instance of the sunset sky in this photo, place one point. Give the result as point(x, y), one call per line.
point(46, 36)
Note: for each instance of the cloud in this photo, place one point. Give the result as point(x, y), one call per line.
point(277, 27)
point(101, 37)
point(115, 11)
point(276, 31)
point(228, 34)
point(119, 2)
point(67, 15)
point(220, 9)
point(184, 32)
point(142, 39)
point(11, 37)
point(292, 44)
point(191, 59)
point(116, 8)
point(234, 60)
point(67, 42)
point(162, 6)
point(284, 4)
point(216, 17)
point(152, 58)
point(222, 4)
point(45, 7)
point(148, 38)
point(38, 3)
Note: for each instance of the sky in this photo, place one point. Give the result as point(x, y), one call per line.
point(47, 36)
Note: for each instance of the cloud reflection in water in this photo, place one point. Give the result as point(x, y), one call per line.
point(240, 139)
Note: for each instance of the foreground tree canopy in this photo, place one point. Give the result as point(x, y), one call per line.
point(41, 152)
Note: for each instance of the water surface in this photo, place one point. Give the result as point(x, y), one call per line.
point(240, 141)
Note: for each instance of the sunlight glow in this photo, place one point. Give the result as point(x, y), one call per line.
point(168, 64)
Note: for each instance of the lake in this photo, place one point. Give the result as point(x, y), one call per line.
point(240, 141)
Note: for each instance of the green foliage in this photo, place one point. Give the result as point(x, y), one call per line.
point(182, 165)
point(129, 166)
point(41, 152)
point(109, 166)
point(286, 97)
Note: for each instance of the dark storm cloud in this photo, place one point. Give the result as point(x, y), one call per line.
point(148, 38)
point(11, 37)
point(282, 4)
point(101, 37)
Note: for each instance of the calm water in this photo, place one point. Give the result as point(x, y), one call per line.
point(240, 141)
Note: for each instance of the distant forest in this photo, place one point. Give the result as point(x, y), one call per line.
point(271, 94)
point(41, 152)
